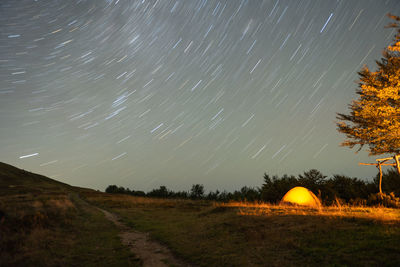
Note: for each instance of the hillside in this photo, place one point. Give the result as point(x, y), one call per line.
point(18, 181)
point(44, 222)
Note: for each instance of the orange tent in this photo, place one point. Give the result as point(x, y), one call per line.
point(301, 196)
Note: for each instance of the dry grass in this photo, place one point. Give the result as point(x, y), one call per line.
point(256, 234)
point(121, 201)
point(44, 223)
point(57, 229)
point(379, 214)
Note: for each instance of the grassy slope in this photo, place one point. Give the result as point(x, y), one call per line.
point(44, 222)
point(210, 235)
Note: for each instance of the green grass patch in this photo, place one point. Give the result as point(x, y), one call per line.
point(210, 235)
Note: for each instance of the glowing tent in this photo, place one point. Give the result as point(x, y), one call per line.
point(300, 196)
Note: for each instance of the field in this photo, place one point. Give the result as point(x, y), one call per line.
point(44, 222)
point(245, 234)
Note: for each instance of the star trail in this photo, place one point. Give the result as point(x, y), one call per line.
point(149, 93)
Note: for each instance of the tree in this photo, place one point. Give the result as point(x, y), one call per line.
point(392, 181)
point(213, 195)
point(273, 189)
point(197, 191)
point(312, 179)
point(312, 176)
point(374, 118)
point(346, 188)
point(112, 189)
point(250, 194)
point(161, 192)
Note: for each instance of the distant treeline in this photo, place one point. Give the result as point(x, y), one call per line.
point(339, 188)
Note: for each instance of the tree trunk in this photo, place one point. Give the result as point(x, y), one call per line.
point(380, 178)
point(396, 158)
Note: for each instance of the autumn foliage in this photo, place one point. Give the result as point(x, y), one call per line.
point(374, 118)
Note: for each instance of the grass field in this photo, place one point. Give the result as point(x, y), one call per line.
point(45, 223)
point(243, 234)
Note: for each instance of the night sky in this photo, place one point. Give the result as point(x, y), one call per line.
point(149, 93)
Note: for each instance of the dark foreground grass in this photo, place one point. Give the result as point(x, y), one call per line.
point(215, 235)
point(45, 223)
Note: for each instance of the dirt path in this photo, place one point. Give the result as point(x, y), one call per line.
point(149, 251)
